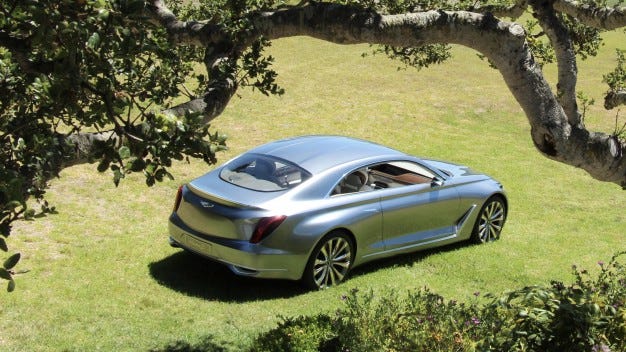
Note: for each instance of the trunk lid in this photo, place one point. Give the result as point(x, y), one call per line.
point(217, 208)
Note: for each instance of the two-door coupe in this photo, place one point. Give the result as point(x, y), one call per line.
point(313, 207)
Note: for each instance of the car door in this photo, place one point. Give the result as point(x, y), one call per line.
point(356, 206)
point(419, 213)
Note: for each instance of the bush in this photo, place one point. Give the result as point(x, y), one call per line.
point(588, 315)
point(300, 334)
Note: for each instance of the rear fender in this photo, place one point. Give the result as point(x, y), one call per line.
point(359, 214)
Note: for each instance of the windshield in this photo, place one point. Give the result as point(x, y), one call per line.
point(263, 173)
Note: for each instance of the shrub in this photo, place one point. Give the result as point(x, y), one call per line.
point(588, 315)
point(421, 321)
point(300, 334)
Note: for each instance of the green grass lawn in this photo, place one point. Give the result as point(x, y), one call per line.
point(101, 275)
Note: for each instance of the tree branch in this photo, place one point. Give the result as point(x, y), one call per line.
point(598, 17)
point(220, 90)
point(614, 99)
point(512, 11)
point(198, 33)
point(503, 43)
point(82, 145)
point(566, 58)
point(553, 133)
point(219, 52)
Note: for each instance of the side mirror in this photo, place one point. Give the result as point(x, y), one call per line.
point(436, 182)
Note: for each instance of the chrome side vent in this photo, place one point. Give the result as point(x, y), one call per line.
point(461, 222)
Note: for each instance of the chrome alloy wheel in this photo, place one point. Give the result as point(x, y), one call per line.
point(490, 221)
point(330, 263)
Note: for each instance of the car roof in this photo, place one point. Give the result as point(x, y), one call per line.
point(322, 152)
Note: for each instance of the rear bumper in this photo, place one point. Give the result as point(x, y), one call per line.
point(241, 257)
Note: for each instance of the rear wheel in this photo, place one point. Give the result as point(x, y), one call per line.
point(490, 220)
point(330, 261)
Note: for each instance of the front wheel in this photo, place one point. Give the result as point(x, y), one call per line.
point(330, 261)
point(490, 220)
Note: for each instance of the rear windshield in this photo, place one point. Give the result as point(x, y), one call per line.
point(263, 173)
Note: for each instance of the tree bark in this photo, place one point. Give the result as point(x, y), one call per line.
point(558, 35)
point(615, 99)
point(608, 18)
point(220, 90)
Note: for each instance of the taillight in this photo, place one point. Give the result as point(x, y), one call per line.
point(179, 197)
point(265, 227)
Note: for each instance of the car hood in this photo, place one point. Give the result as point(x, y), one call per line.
point(453, 170)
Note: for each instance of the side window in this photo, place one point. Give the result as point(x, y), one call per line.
point(398, 174)
point(385, 175)
point(356, 181)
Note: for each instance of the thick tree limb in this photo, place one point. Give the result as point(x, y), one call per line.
point(199, 33)
point(220, 90)
point(219, 51)
point(597, 17)
point(503, 43)
point(615, 99)
point(566, 58)
point(82, 145)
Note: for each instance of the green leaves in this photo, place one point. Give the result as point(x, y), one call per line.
point(117, 174)
point(257, 71)
point(94, 40)
point(124, 152)
point(6, 273)
point(617, 78)
point(586, 40)
point(11, 261)
point(95, 65)
point(421, 57)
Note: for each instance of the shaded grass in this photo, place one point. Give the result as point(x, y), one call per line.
point(102, 276)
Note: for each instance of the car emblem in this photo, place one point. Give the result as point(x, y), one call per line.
point(206, 204)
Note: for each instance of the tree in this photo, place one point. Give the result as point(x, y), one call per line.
point(96, 80)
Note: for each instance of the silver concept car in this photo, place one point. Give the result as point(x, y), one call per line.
point(313, 207)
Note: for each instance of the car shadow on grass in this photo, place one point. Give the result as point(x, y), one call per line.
point(206, 345)
point(199, 277)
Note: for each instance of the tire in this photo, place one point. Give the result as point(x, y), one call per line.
point(330, 261)
point(490, 220)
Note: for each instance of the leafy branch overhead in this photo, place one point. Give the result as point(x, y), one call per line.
point(417, 35)
point(102, 80)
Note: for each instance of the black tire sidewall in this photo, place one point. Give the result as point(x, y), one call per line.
point(496, 198)
point(307, 277)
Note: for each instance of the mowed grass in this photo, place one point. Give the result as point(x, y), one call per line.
point(101, 275)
